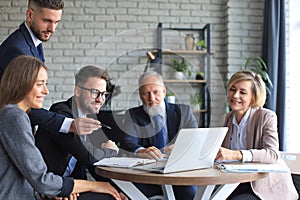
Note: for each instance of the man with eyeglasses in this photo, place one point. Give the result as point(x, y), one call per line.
point(150, 129)
point(71, 154)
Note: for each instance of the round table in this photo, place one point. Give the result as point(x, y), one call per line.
point(210, 176)
point(202, 177)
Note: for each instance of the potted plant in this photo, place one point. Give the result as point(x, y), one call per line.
point(200, 45)
point(170, 97)
point(199, 76)
point(181, 68)
point(257, 65)
point(196, 100)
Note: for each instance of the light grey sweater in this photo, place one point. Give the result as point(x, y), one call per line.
point(23, 171)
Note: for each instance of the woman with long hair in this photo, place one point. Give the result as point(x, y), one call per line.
point(23, 171)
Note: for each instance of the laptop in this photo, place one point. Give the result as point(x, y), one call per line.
point(194, 148)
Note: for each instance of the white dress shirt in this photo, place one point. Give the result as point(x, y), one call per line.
point(239, 135)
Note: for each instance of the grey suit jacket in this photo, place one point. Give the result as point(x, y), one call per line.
point(23, 171)
point(262, 141)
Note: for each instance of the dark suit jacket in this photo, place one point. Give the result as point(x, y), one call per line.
point(57, 149)
point(139, 134)
point(20, 43)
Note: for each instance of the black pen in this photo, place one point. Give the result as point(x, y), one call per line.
point(94, 116)
point(105, 126)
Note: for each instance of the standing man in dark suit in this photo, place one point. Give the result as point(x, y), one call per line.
point(70, 154)
point(42, 18)
point(152, 128)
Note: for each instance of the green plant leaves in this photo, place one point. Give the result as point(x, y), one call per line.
point(201, 43)
point(257, 65)
point(181, 66)
point(196, 99)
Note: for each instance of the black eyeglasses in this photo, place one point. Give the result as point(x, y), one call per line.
point(96, 93)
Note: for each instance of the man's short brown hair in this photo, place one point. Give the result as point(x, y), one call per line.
point(51, 4)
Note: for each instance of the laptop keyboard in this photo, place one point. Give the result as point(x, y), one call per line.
point(159, 165)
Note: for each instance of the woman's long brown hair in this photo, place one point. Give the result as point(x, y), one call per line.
point(18, 79)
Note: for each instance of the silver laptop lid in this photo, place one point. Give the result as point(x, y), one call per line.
point(195, 148)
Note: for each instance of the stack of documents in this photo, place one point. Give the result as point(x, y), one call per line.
point(124, 162)
point(251, 167)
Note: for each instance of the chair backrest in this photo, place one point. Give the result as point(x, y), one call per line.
point(292, 160)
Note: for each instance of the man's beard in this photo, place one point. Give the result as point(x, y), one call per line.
point(155, 110)
point(88, 108)
point(38, 34)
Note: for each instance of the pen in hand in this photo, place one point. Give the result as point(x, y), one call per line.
point(94, 116)
point(105, 126)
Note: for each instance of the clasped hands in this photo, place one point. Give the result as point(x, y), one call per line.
point(110, 145)
point(154, 153)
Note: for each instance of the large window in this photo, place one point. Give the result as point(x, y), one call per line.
point(293, 83)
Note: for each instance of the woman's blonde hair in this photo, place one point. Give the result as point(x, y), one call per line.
point(258, 85)
point(18, 79)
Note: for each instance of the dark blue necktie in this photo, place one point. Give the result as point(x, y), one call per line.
point(158, 122)
point(41, 52)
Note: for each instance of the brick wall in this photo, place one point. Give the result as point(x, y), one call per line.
point(116, 34)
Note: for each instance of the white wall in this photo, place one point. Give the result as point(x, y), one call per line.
point(115, 35)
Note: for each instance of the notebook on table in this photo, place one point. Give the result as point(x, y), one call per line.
point(239, 167)
point(123, 162)
point(194, 148)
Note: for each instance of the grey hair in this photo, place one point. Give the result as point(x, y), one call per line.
point(145, 76)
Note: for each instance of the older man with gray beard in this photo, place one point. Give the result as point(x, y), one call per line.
point(152, 128)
